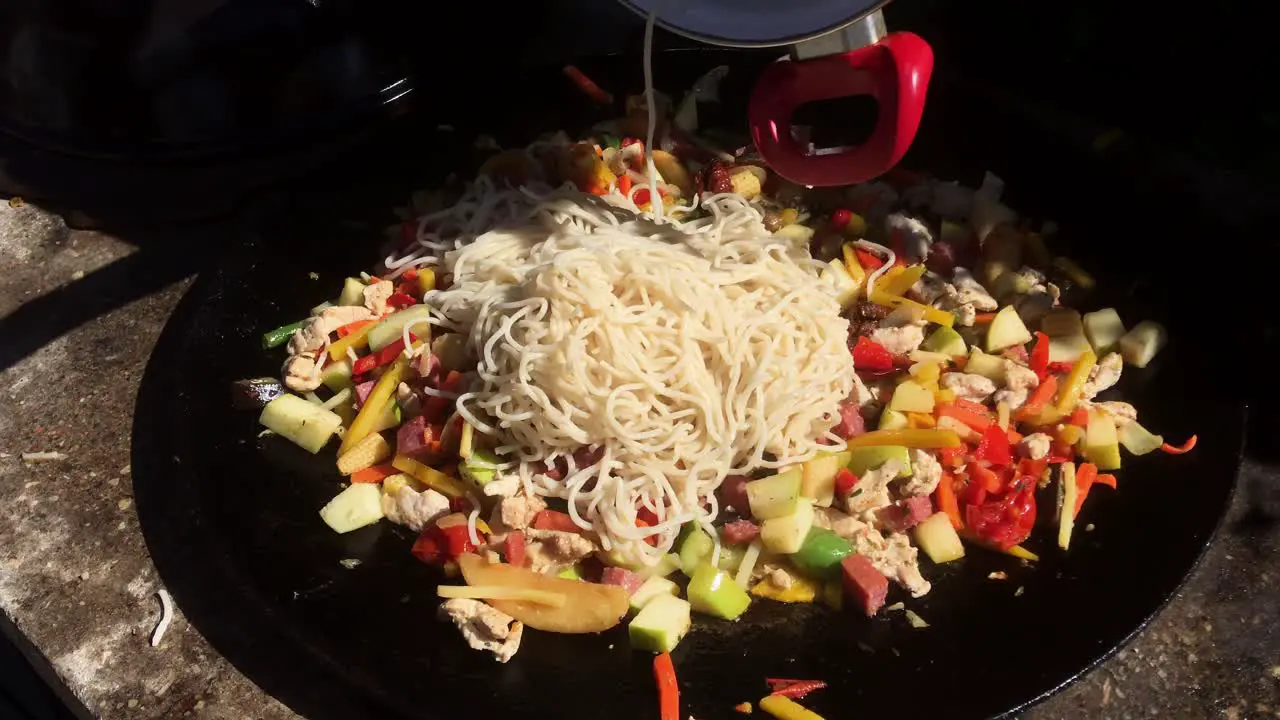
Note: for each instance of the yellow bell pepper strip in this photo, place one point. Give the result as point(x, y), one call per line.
point(856, 271)
point(912, 438)
point(375, 405)
point(928, 312)
point(426, 279)
point(1079, 375)
point(802, 590)
point(902, 281)
point(784, 708)
point(357, 340)
point(429, 476)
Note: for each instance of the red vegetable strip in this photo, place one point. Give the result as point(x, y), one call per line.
point(868, 261)
point(375, 474)
point(985, 478)
point(664, 672)
point(983, 318)
point(871, 355)
point(944, 497)
point(1080, 418)
point(845, 481)
point(974, 420)
point(400, 300)
point(515, 548)
point(775, 683)
point(800, 689)
point(554, 520)
point(349, 328)
point(1061, 368)
point(586, 85)
point(1086, 474)
point(624, 184)
point(1106, 479)
point(1182, 449)
point(1040, 398)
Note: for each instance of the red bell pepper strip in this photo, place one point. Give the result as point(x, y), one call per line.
point(979, 422)
point(401, 300)
point(983, 318)
point(555, 520)
point(375, 474)
point(1039, 399)
point(994, 446)
point(457, 540)
point(985, 478)
point(1080, 418)
point(1040, 356)
point(950, 456)
point(1106, 479)
point(1060, 368)
point(514, 548)
point(349, 328)
point(385, 356)
point(1005, 521)
point(624, 184)
point(869, 261)
point(845, 481)
point(944, 498)
point(1182, 449)
point(871, 355)
point(1086, 474)
point(429, 547)
point(588, 87)
point(664, 671)
point(794, 689)
point(409, 274)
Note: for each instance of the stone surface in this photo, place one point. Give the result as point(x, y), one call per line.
point(76, 578)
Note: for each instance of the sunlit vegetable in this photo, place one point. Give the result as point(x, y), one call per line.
point(588, 607)
point(375, 405)
point(1069, 394)
point(307, 425)
point(907, 438)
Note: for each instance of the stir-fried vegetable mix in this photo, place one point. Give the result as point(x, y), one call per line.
point(979, 396)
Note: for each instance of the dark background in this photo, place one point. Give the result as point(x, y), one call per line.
point(261, 78)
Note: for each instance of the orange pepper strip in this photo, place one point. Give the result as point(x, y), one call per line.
point(375, 474)
point(1182, 449)
point(668, 691)
point(945, 498)
point(1038, 400)
point(1086, 475)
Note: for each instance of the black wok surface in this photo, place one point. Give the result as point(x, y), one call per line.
point(231, 519)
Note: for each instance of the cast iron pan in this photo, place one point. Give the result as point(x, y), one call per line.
point(231, 519)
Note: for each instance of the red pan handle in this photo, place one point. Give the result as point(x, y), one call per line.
point(895, 71)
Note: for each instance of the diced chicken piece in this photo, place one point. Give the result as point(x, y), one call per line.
point(898, 560)
point(1104, 375)
point(1019, 377)
point(872, 491)
point(375, 296)
point(840, 523)
point(966, 314)
point(1122, 413)
point(517, 512)
point(1013, 398)
point(969, 290)
point(415, 439)
point(484, 627)
point(930, 287)
point(899, 340)
point(781, 579)
point(503, 485)
point(851, 422)
point(905, 514)
point(300, 372)
point(414, 509)
point(864, 584)
point(554, 550)
point(969, 386)
point(915, 235)
point(926, 471)
point(1035, 446)
point(313, 333)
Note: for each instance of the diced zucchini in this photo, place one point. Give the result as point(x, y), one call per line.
point(479, 468)
point(731, 556)
point(352, 292)
point(391, 328)
point(1104, 328)
point(390, 418)
point(1061, 322)
point(818, 480)
point(910, 396)
point(1140, 345)
point(695, 549)
point(1101, 443)
point(786, 534)
point(353, 508)
point(892, 420)
point(660, 624)
point(1067, 348)
point(945, 341)
point(306, 424)
point(1006, 330)
point(775, 496)
point(862, 459)
point(1137, 439)
point(650, 589)
point(336, 375)
point(938, 539)
point(988, 366)
point(713, 591)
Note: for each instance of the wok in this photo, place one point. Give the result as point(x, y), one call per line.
point(230, 519)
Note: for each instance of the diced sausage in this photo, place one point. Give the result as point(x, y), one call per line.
point(415, 438)
point(623, 578)
point(362, 391)
point(733, 494)
point(851, 422)
point(905, 514)
point(740, 532)
point(864, 584)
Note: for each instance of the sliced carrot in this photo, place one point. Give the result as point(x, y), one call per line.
point(624, 184)
point(1182, 449)
point(945, 499)
point(349, 328)
point(972, 406)
point(375, 474)
point(977, 421)
point(1106, 479)
point(664, 671)
point(1015, 437)
point(1039, 399)
point(985, 477)
point(983, 318)
point(1086, 475)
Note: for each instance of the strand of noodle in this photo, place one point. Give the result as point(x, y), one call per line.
point(655, 198)
point(890, 259)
